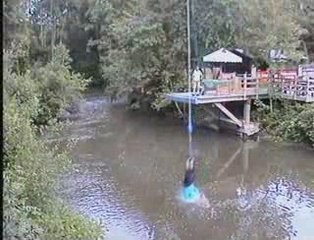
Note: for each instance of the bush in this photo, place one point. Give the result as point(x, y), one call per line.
point(31, 167)
point(306, 123)
point(58, 86)
point(288, 121)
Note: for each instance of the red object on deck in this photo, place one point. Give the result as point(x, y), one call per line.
point(286, 73)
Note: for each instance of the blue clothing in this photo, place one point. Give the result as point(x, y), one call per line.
point(190, 193)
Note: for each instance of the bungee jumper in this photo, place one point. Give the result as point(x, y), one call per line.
point(190, 192)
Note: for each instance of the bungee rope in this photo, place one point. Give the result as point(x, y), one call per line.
point(190, 127)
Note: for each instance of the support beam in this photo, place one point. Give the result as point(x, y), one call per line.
point(229, 114)
point(179, 109)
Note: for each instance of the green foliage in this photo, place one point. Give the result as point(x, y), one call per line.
point(306, 123)
point(304, 15)
point(288, 121)
point(213, 24)
point(142, 53)
point(31, 167)
point(15, 26)
point(58, 85)
point(52, 86)
point(265, 29)
point(62, 223)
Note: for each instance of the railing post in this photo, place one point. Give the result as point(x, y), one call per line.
point(307, 96)
point(257, 87)
point(282, 85)
point(295, 87)
point(245, 85)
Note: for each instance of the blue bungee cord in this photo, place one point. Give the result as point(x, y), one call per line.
point(190, 192)
point(190, 127)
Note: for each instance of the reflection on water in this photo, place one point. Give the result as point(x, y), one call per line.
point(129, 169)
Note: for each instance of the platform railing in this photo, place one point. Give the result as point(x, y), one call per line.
point(291, 83)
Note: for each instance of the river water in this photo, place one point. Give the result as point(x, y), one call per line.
point(128, 171)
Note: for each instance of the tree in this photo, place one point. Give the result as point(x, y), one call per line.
point(304, 15)
point(31, 166)
point(15, 23)
point(260, 27)
point(213, 24)
point(143, 48)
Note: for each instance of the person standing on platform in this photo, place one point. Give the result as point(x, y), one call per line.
point(197, 76)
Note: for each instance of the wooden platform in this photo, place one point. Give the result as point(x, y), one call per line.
point(297, 86)
point(216, 98)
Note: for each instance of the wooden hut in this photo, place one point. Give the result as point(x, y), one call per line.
point(229, 61)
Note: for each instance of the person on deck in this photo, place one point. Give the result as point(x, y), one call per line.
point(196, 80)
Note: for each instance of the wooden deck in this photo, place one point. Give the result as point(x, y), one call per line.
point(297, 86)
point(217, 97)
point(299, 89)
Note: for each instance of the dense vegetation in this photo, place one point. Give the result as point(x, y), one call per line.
point(34, 92)
point(287, 120)
point(127, 47)
point(31, 101)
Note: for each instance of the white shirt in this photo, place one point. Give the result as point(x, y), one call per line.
point(197, 75)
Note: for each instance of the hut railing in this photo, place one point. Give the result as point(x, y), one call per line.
point(238, 86)
point(291, 83)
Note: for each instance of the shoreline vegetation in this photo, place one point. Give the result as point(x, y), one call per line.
point(54, 50)
point(32, 209)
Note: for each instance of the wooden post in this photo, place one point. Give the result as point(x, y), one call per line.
point(247, 111)
point(245, 157)
point(300, 71)
point(254, 72)
point(307, 96)
point(257, 87)
point(295, 87)
point(245, 84)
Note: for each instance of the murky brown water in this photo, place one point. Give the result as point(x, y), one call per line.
point(128, 170)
